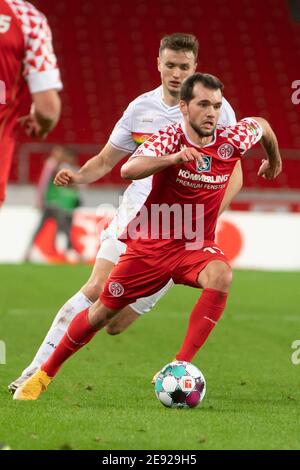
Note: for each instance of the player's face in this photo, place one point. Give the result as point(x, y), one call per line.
point(203, 111)
point(174, 68)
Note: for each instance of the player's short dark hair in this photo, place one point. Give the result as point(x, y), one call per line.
point(207, 80)
point(179, 42)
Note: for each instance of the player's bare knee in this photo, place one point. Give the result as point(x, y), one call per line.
point(221, 278)
point(92, 290)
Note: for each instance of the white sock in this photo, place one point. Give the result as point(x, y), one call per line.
point(70, 309)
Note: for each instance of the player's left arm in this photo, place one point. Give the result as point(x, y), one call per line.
point(272, 166)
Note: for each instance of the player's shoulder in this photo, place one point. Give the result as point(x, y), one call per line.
point(172, 129)
point(242, 136)
point(145, 99)
point(27, 13)
point(227, 116)
point(244, 123)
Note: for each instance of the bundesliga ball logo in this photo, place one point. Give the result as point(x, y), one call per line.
point(180, 385)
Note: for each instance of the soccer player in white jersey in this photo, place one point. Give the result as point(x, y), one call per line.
point(144, 116)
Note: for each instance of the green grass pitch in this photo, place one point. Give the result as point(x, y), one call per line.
point(103, 399)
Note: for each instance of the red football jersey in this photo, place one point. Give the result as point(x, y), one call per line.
point(188, 185)
point(26, 56)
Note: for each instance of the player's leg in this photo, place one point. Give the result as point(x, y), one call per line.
point(132, 312)
point(126, 283)
point(84, 298)
point(79, 333)
point(215, 280)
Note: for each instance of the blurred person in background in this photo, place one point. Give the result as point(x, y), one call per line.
point(27, 62)
point(57, 203)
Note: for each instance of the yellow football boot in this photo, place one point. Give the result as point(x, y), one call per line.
point(33, 387)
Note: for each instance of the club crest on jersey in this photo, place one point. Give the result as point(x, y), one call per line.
point(116, 289)
point(206, 166)
point(225, 151)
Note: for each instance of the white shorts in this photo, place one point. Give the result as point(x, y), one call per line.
point(111, 249)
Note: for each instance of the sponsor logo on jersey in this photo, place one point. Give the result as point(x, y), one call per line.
point(204, 178)
point(147, 119)
point(206, 166)
point(116, 289)
point(225, 151)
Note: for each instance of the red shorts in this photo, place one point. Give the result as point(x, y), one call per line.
point(140, 275)
point(6, 153)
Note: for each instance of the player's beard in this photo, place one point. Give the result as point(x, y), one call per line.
point(202, 132)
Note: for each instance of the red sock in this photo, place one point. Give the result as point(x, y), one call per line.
point(79, 333)
point(203, 319)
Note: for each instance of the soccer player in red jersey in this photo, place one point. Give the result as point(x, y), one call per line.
point(144, 116)
point(191, 164)
point(26, 60)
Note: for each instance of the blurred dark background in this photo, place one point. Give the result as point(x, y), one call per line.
point(107, 56)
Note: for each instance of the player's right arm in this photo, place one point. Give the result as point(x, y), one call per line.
point(119, 145)
point(93, 169)
point(139, 167)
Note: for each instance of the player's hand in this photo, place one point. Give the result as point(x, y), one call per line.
point(31, 126)
point(268, 171)
point(187, 154)
point(66, 177)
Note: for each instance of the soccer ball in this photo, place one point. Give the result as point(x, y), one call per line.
point(180, 385)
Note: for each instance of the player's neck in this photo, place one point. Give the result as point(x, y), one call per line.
point(169, 99)
point(197, 139)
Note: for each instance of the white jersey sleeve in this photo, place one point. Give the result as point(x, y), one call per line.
point(227, 116)
point(40, 68)
point(121, 136)
point(142, 118)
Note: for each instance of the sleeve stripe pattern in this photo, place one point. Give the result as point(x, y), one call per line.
point(244, 135)
point(39, 56)
point(164, 142)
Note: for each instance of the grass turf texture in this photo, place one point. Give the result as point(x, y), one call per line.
point(102, 398)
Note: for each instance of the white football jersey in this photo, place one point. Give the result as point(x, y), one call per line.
point(143, 117)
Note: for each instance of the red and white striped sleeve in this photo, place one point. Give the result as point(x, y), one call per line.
point(163, 142)
point(40, 64)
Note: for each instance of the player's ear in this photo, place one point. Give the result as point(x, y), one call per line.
point(158, 64)
point(183, 107)
point(195, 67)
